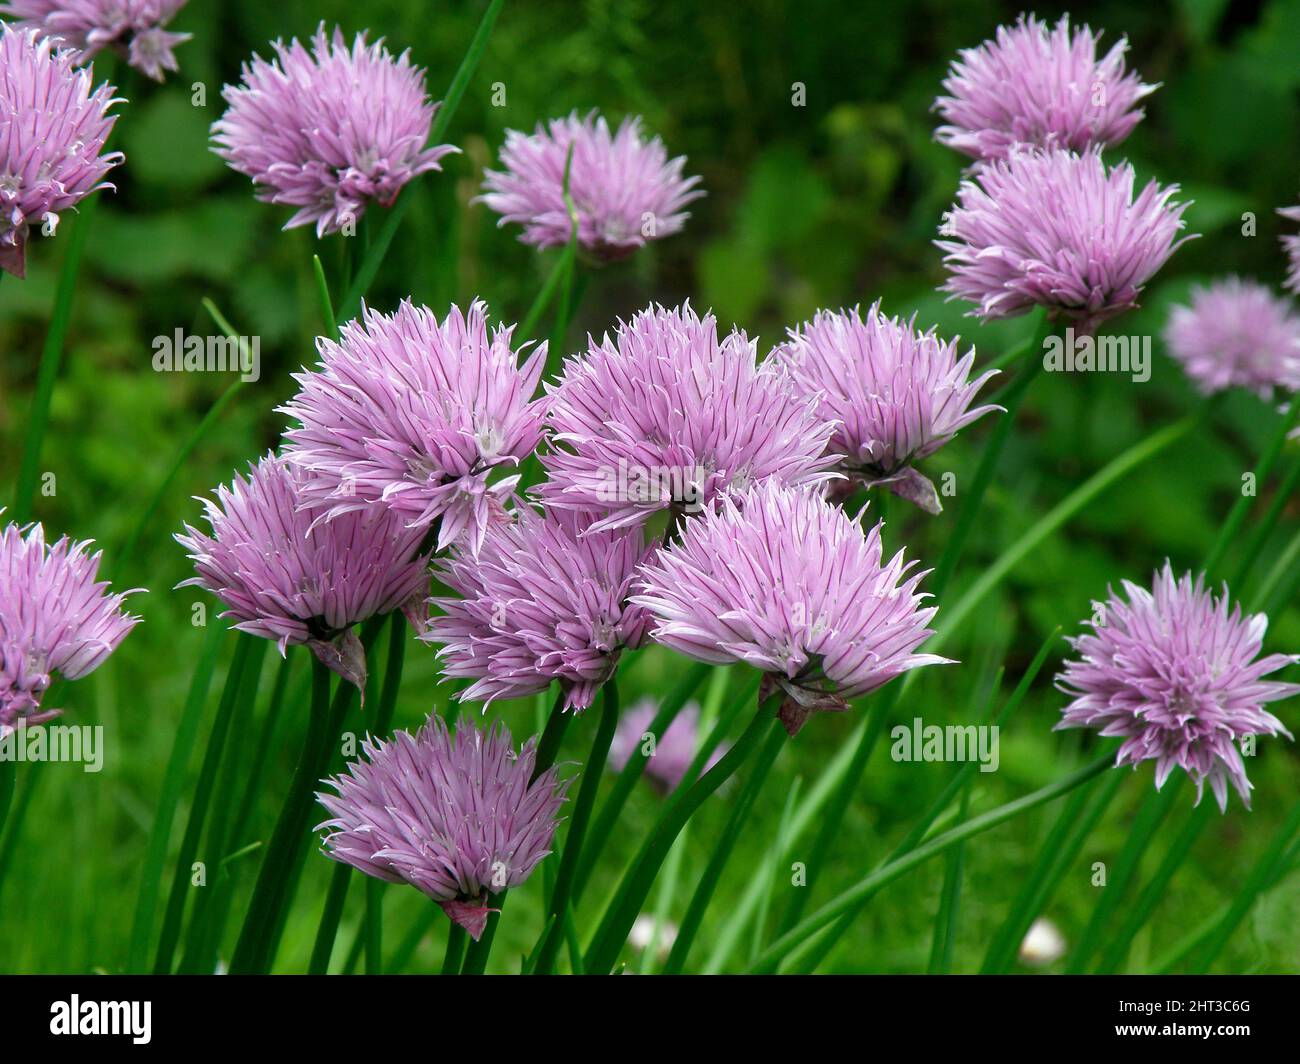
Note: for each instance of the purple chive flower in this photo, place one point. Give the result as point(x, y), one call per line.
point(1291, 244)
point(545, 599)
point(458, 817)
point(672, 753)
point(286, 573)
point(1237, 334)
point(1035, 86)
point(53, 127)
point(415, 414)
point(666, 416)
point(55, 617)
point(790, 584)
point(1179, 678)
point(330, 130)
point(624, 188)
point(896, 395)
point(134, 28)
point(1058, 230)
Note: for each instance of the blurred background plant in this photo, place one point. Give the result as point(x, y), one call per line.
point(810, 126)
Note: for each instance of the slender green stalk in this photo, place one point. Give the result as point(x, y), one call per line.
point(580, 817)
point(773, 744)
point(768, 869)
point(51, 357)
point(252, 950)
point(217, 843)
point(8, 776)
point(374, 258)
point(401, 958)
point(1279, 585)
point(972, 501)
point(945, 921)
point(1068, 835)
point(187, 448)
point(335, 898)
point(1018, 351)
point(254, 773)
point(626, 780)
point(1142, 451)
point(1154, 892)
point(1151, 814)
point(456, 939)
point(326, 303)
point(818, 951)
point(1228, 531)
point(171, 928)
point(1266, 870)
point(837, 807)
point(882, 877)
point(1197, 938)
point(374, 926)
point(1264, 529)
point(631, 894)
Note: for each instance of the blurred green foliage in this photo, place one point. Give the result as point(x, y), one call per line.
point(828, 203)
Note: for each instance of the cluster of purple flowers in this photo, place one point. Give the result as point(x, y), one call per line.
point(693, 490)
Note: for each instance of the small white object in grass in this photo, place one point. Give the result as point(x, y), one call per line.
point(643, 933)
point(1043, 944)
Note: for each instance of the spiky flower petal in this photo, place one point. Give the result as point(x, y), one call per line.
point(331, 130)
point(1291, 244)
point(1058, 230)
point(55, 617)
point(1039, 86)
point(53, 127)
point(286, 573)
point(666, 416)
point(1237, 334)
point(784, 581)
point(457, 817)
point(543, 600)
point(132, 27)
point(896, 394)
point(1179, 678)
point(624, 188)
point(415, 415)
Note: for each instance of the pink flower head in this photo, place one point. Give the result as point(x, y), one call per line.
point(458, 817)
point(790, 584)
point(1058, 230)
point(415, 414)
point(1292, 246)
point(667, 416)
point(669, 758)
point(1035, 86)
point(1178, 678)
point(55, 617)
point(131, 27)
point(543, 600)
point(53, 127)
point(330, 130)
point(285, 573)
point(1237, 334)
point(625, 188)
point(896, 395)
